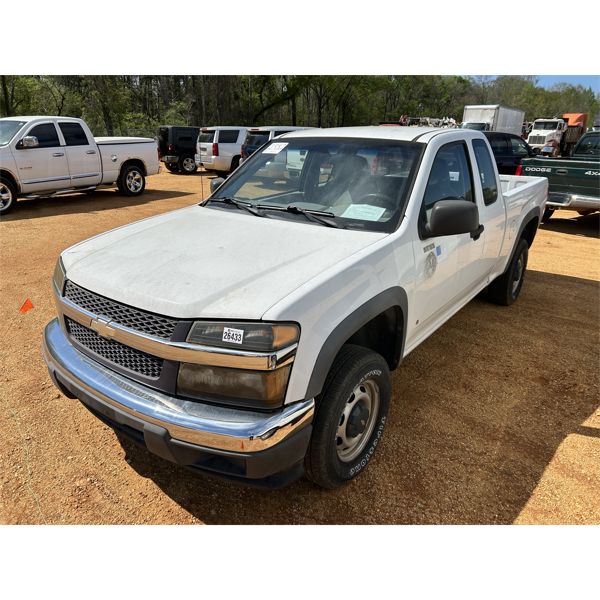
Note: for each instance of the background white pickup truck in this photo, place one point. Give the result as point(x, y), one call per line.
point(253, 335)
point(47, 156)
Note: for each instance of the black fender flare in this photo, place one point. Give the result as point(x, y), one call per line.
point(534, 213)
point(390, 298)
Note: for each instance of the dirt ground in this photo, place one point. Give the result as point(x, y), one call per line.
point(494, 419)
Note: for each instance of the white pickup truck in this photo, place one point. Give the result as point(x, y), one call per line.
point(51, 156)
point(253, 335)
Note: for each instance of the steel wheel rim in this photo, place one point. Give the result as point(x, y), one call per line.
point(518, 275)
point(134, 181)
point(5, 196)
point(189, 164)
point(365, 396)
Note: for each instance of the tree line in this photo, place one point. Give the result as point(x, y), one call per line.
point(138, 104)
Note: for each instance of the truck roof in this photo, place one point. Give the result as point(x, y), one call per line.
point(28, 118)
point(409, 134)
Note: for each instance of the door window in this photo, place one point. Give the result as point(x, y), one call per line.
point(499, 145)
point(46, 135)
point(450, 176)
point(74, 134)
point(487, 173)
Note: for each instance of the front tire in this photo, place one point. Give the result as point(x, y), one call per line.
point(350, 417)
point(187, 165)
point(505, 289)
point(8, 195)
point(132, 181)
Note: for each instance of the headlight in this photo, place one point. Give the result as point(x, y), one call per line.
point(241, 386)
point(257, 337)
point(59, 275)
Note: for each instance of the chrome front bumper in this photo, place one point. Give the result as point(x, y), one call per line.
point(205, 425)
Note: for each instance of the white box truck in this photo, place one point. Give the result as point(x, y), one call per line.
point(493, 117)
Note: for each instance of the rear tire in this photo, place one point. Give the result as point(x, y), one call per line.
point(187, 165)
point(547, 214)
point(172, 167)
point(350, 417)
point(132, 181)
point(8, 195)
point(505, 289)
point(235, 163)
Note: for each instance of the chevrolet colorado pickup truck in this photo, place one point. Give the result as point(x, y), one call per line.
point(574, 181)
point(51, 156)
point(253, 335)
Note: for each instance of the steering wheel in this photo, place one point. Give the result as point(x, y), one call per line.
point(377, 199)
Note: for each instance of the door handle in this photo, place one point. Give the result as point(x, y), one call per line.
point(561, 171)
point(58, 154)
point(90, 152)
point(475, 234)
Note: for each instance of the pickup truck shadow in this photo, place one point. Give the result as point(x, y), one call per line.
point(105, 199)
point(588, 225)
point(478, 412)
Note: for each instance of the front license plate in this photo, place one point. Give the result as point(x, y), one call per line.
point(548, 149)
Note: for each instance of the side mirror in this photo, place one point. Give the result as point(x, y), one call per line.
point(452, 217)
point(29, 141)
point(215, 184)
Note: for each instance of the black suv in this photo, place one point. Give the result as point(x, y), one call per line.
point(177, 147)
point(508, 150)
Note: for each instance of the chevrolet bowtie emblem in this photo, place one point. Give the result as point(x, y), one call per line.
point(102, 328)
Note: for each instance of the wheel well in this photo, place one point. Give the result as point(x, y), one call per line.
point(8, 175)
point(530, 230)
point(136, 162)
point(383, 334)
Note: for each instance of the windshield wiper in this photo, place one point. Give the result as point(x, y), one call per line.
point(312, 215)
point(234, 202)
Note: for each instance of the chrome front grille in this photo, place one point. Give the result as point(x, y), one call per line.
point(115, 352)
point(536, 139)
point(124, 315)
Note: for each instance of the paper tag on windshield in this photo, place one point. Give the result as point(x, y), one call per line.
point(454, 175)
point(233, 336)
point(275, 148)
point(366, 212)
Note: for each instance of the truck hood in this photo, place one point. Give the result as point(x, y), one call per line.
point(202, 262)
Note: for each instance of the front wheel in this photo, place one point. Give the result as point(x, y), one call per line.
point(350, 417)
point(132, 181)
point(8, 195)
point(505, 289)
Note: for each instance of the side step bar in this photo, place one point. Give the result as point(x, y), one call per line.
point(61, 192)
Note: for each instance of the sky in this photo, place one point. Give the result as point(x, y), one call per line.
point(592, 81)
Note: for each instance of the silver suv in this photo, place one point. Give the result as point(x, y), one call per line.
point(220, 148)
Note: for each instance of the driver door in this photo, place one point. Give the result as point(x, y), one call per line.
point(43, 168)
point(441, 261)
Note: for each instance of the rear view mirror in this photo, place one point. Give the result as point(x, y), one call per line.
point(452, 217)
point(29, 141)
point(215, 183)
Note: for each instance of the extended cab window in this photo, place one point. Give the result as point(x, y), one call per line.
point(487, 173)
point(589, 144)
point(46, 135)
point(228, 136)
point(73, 134)
point(450, 176)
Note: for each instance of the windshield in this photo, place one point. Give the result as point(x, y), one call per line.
point(547, 125)
point(476, 126)
point(8, 128)
point(362, 184)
